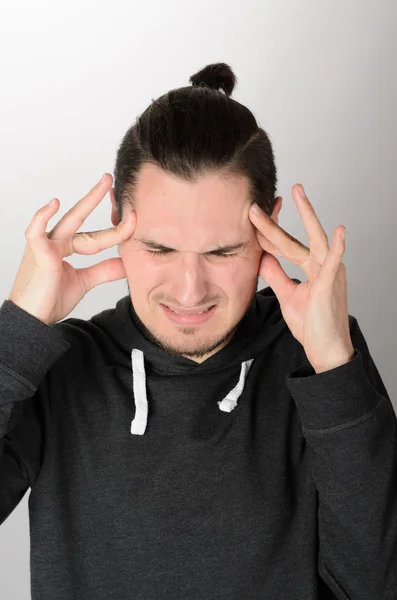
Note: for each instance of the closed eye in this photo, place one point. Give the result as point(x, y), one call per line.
point(222, 254)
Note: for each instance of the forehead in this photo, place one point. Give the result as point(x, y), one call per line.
point(214, 200)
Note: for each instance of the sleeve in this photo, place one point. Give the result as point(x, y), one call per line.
point(350, 427)
point(28, 348)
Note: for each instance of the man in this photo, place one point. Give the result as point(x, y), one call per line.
point(245, 452)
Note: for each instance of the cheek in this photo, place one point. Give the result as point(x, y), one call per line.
point(249, 265)
point(137, 264)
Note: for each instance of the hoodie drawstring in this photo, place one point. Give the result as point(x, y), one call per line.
point(138, 424)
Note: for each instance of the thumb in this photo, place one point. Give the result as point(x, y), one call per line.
point(107, 270)
point(273, 273)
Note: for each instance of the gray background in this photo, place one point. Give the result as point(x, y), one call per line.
point(319, 76)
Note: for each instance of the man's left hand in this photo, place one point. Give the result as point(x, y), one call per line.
point(316, 310)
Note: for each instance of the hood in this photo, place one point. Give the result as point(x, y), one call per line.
point(136, 349)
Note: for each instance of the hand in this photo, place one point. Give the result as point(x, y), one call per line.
point(48, 287)
point(316, 310)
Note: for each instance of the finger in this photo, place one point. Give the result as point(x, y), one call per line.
point(75, 217)
point(266, 245)
point(111, 269)
point(334, 257)
point(273, 273)
point(288, 246)
point(317, 237)
point(95, 241)
point(35, 233)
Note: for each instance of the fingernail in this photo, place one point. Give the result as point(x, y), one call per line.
point(302, 191)
point(102, 179)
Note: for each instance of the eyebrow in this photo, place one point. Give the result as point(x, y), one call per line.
point(217, 250)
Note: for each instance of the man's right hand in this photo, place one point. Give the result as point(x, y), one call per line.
point(48, 287)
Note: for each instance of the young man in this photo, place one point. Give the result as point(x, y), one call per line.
point(245, 452)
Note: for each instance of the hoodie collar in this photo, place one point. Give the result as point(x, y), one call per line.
point(260, 326)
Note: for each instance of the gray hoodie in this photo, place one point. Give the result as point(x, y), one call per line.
point(245, 477)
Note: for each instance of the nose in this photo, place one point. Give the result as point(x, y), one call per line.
point(190, 280)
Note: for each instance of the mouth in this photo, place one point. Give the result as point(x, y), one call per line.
point(189, 319)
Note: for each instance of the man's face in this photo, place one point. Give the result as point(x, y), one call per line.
point(193, 219)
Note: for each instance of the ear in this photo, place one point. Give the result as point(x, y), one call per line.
point(277, 208)
point(113, 217)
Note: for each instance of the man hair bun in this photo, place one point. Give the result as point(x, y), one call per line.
point(217, 76)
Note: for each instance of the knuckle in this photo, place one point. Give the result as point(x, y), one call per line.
point(88, 236)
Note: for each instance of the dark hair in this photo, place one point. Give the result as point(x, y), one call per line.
point(195, 130)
